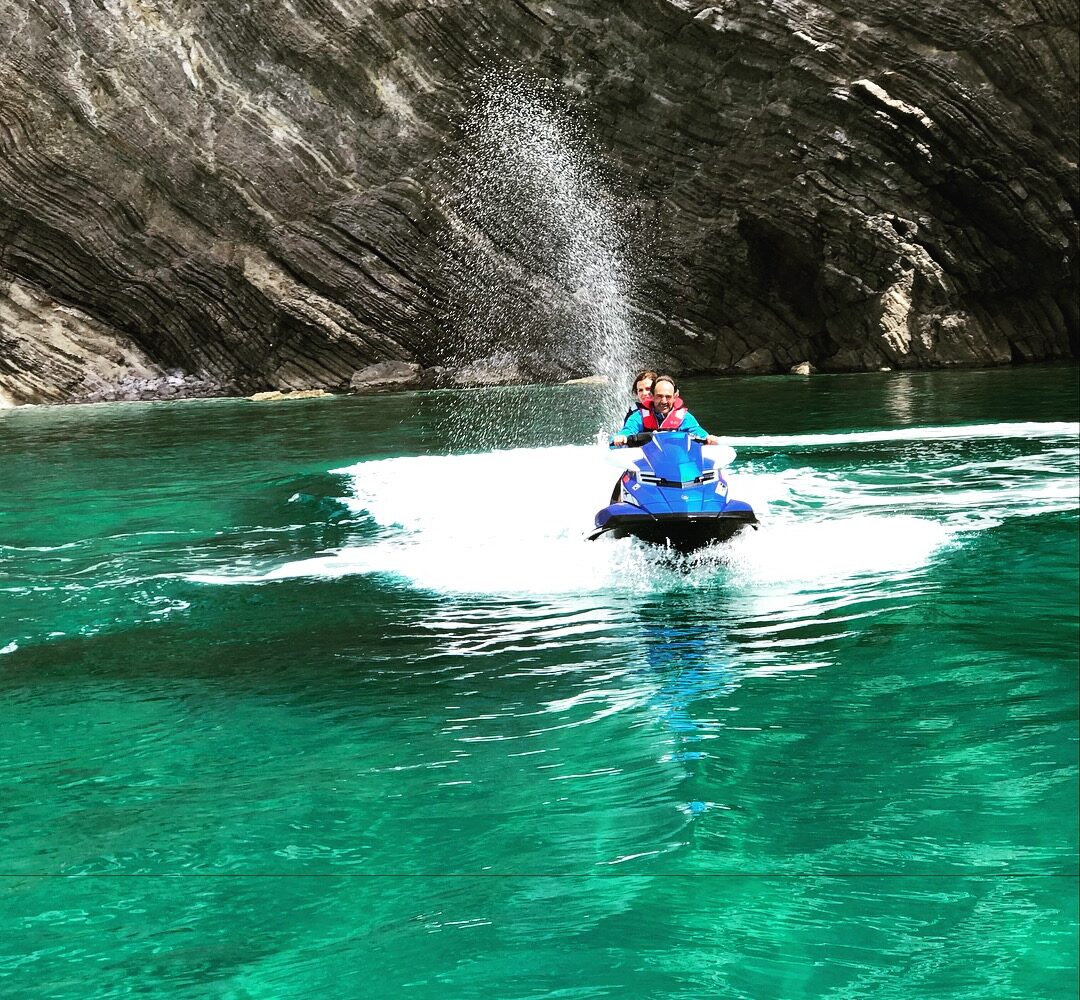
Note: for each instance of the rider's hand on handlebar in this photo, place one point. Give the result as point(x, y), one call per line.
point(618, 440)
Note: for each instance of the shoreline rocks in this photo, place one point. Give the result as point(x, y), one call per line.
point(172, 385)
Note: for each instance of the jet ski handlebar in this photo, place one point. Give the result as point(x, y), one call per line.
point(638, 440)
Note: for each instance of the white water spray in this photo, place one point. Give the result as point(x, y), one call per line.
point(539, 263)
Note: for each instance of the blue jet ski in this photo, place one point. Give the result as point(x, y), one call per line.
point(673, 494)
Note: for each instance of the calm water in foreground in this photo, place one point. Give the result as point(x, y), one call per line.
point(331, 698)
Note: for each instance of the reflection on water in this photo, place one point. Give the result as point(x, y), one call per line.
point(900, 398)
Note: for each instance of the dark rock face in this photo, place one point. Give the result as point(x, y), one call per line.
point(232, 197)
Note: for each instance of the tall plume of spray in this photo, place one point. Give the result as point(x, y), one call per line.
point(540, 267)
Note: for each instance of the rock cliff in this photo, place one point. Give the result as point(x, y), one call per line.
point(235, 196)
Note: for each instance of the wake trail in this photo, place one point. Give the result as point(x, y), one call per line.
point(971, 432)
point(516, 521)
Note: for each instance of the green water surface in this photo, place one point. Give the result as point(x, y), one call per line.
point(839, 761)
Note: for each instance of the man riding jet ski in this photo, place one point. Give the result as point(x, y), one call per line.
point(672, 492)
point(665, 411)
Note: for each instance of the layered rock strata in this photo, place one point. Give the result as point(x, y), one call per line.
point(231, 197)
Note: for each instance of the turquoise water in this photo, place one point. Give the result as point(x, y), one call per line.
point(320, 717)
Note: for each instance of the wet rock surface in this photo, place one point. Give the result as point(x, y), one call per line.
point(230, 198)
point(391, 375)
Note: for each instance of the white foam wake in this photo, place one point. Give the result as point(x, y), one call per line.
point(1021, 430)
point(515, 522)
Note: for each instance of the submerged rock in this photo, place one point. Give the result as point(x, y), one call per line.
point(274, 395)
point(258, 194)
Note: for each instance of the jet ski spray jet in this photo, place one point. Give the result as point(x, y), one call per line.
point(673, 493)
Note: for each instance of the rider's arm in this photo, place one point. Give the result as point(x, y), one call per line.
point(634, 425)
point(691, 426)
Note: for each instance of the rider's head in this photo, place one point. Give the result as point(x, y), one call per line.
point(642, 387)
point(664, 394)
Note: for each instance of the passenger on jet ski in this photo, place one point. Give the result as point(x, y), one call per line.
point(666, 412)
point(641, 391)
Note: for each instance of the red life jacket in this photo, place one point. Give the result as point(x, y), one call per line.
point(671, 421)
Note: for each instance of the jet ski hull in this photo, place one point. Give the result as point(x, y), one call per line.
point(681, 532)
